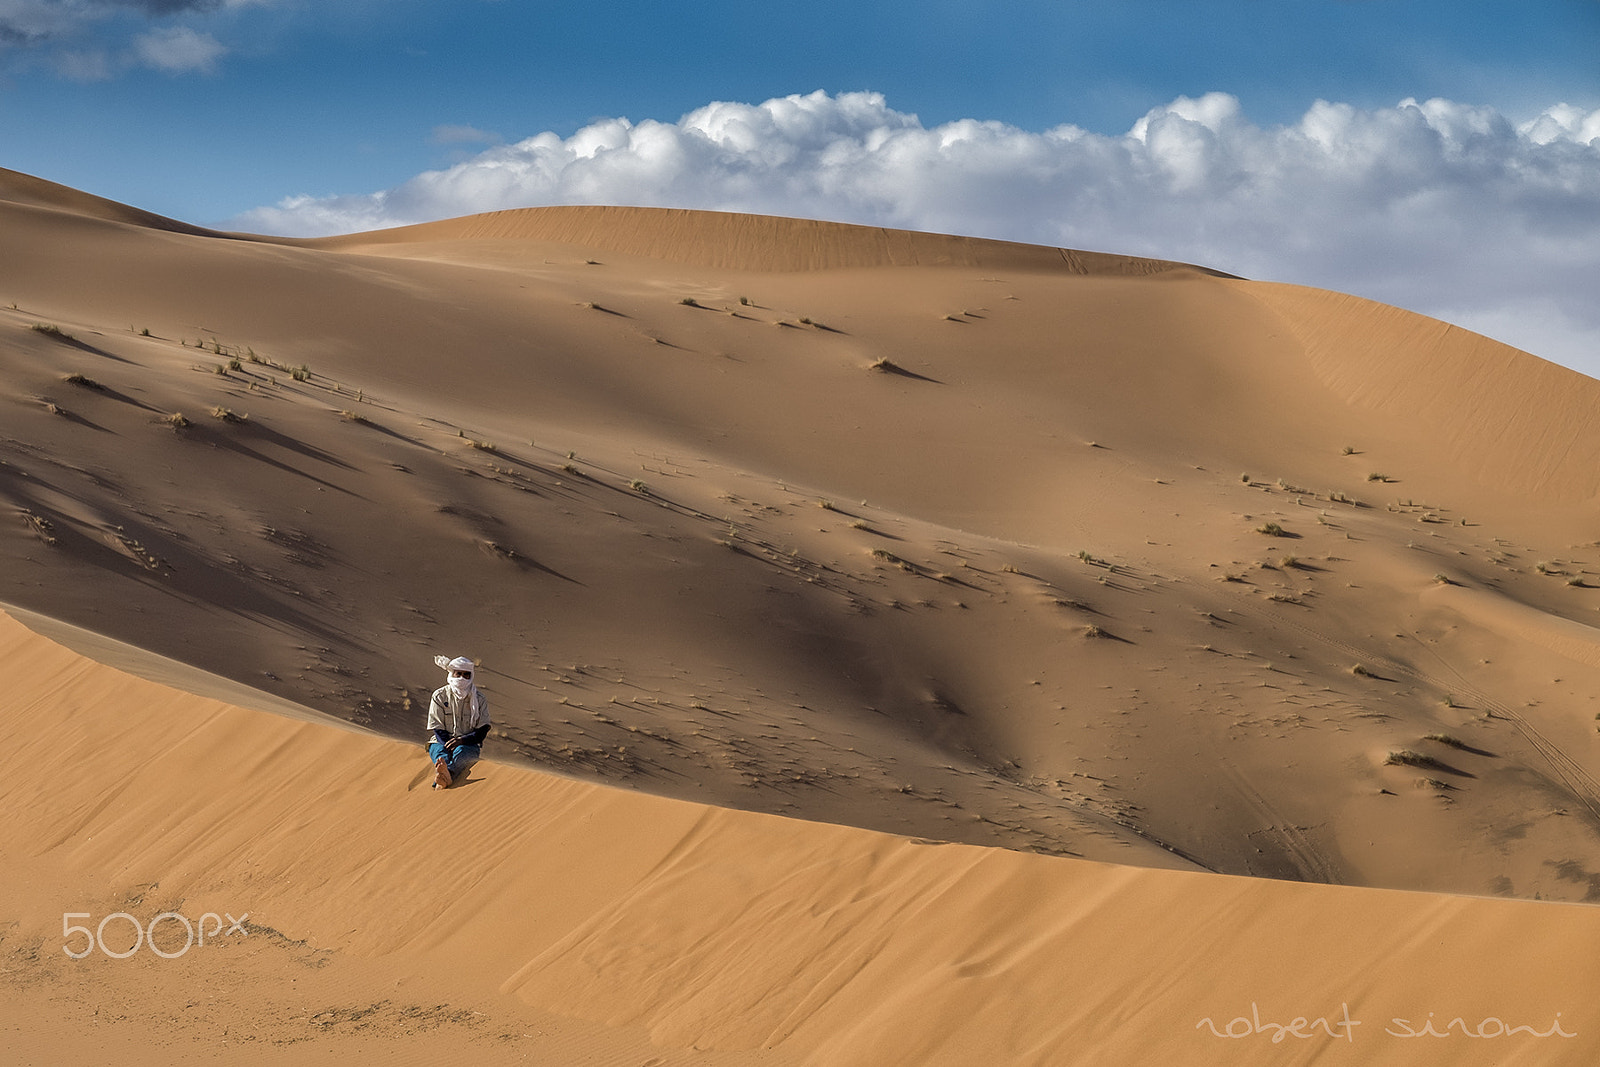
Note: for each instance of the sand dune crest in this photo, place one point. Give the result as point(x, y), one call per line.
point(742, 242)
point(24, 189)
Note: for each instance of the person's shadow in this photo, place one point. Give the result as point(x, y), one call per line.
point(427, 772)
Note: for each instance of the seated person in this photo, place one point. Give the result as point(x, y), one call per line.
point(458, 721)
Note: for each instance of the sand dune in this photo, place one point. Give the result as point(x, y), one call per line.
point(748, 938)
point(1516, 423)
point(741, 242)
point(927, 537)
point(27, 191)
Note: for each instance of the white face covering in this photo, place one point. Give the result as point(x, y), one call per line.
point(461, 687)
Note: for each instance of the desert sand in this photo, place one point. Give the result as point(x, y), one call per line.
point(902, 649)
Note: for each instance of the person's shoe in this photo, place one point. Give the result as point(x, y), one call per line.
point(441, 774)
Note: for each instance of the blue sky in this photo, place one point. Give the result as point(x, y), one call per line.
point(1014, 120)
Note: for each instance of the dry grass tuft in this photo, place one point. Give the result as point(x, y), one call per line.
point(1407, 758)
point(42, 527)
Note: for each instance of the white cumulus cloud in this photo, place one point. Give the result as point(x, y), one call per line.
point(1438, 206)
point(179, 50)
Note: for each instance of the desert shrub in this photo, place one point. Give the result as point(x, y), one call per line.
point(1407, 758)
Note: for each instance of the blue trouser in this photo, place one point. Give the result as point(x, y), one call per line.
point(459, 761)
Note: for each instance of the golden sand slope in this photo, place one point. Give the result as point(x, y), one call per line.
point(744, 242)
point(946, 538)
point(750, 938)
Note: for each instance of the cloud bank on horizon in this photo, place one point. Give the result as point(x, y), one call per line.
point(1441, 207)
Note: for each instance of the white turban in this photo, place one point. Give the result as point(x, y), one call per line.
point(462, 687)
